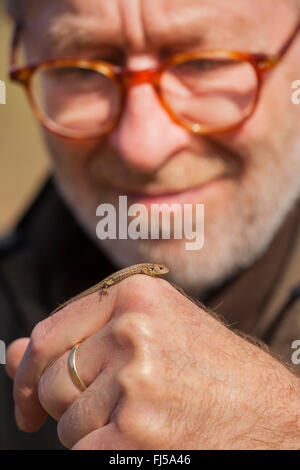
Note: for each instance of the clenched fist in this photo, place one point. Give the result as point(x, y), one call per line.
point(161, 373)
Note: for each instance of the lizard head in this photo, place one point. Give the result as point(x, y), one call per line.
point(157, 269)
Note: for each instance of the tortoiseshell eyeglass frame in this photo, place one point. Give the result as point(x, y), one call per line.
point(124, 78)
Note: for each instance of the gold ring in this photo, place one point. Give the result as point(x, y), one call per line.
point(72, 364)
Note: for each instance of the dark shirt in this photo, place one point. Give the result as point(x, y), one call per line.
point(48, 258)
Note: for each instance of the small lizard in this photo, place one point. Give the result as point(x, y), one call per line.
point(150, 269)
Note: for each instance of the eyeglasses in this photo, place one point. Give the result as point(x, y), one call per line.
point(205, 92)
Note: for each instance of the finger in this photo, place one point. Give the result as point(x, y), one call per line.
point(28, 426)
point(49, 340)
point(57, 389)
point(58, 333)
point(14, 354)
point(107, 438)
point(91, 410)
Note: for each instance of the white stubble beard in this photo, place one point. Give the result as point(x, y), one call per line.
point(236, 237)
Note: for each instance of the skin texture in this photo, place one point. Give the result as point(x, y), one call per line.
point(161, 371)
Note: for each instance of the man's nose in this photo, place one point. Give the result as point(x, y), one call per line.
point(146, 136)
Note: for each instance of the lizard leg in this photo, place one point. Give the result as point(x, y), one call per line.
point(103, 290)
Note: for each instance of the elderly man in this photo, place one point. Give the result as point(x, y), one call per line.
point(162, 101)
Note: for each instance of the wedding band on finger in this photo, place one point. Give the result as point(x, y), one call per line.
point(73, 369)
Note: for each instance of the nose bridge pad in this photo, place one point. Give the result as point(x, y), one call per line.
point(130, 78)
point(138, 77)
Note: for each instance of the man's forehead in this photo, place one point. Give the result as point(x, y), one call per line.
point(144, 23)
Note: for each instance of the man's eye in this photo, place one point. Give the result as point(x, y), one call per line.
point(72, 78)
point(67, 73)
point(207, 65)
point(204, 65)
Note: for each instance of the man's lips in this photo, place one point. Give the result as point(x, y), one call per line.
point(172, 197)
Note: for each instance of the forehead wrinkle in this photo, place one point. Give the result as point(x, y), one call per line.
point(133, 23)
point(160, 24)
point(68, 25)
point(191, 23)
point(68, 32)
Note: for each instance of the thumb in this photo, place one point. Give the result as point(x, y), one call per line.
point(14, 354)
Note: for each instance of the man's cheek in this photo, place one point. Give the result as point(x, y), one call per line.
point(274, 103)
point(261, 131)
point(69, 152)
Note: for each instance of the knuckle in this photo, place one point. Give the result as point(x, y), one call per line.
point(66, 426)
point(48, 400)
point(42, 391)
point(80, 418)
point(135, 327)
point(138, 380)
point(62, 433)
point(142, 290)
point(135, 421)
point(138, 281)
point(53, 399)
point(21, 395)
point(126, 418)
point(37, 340)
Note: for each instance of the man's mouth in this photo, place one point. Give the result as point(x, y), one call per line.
point(189, 195)
point(182, 179)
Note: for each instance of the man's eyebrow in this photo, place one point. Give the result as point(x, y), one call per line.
point(67, 33)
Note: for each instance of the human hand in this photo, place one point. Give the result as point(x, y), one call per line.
point(162, 373)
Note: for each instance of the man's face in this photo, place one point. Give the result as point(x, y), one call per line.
point(247, 179)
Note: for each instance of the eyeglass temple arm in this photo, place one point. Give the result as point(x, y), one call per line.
point(16, 36)
point(289, 42)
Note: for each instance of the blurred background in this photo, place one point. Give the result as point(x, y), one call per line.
point(23, 160)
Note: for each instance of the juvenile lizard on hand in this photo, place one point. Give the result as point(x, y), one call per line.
point(150, 269)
